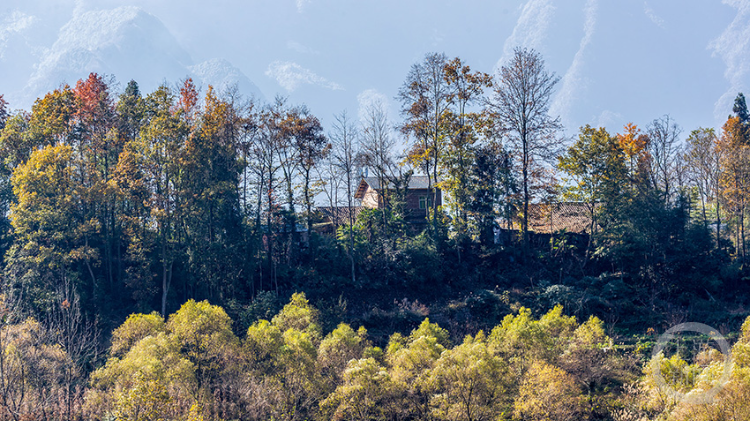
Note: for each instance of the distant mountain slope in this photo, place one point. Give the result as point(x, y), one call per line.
point(221, 74)
point(128, 43)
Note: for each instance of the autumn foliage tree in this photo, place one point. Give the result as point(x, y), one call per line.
point(160, 191)
point(595, 165)
point(735, 177)
point(464, 127)
point(424, 99)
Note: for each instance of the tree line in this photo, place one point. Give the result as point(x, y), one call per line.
point(170, 196)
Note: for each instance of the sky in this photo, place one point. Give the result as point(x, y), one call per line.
point(618, 61)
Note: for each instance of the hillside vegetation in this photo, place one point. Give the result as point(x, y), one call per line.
point(125, 215)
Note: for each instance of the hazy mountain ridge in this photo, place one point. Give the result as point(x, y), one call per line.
point(221, 74)
point(129, 43)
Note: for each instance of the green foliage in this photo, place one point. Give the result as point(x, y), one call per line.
point(524, 339)
point(52, 234)
point(263, 344)
point(494, 192)
point(144, 200)
point(366, 393)
point(470, 382)
point(411, 361)
point(135, 328)
point(145, 400)
point(595, 165)
point(339, 347)
point(204, 334)
point(193, 367)
point(548, 394)
point(298, 315)
point(201, 326)
point(155, 367)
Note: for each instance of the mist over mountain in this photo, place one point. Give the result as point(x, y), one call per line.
point(126, 42)
point(129, 44)
point(222, 75)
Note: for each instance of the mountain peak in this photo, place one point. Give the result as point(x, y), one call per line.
point(127, 42)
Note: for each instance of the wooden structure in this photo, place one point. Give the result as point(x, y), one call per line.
point(549, 218)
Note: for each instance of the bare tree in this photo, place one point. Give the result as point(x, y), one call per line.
point(43, 366)
point(79, 338)
point(247, 131)
point(664, 147)
point(289, 160)
point(377, 150)
point(377, 142)
point(331, 180)
point(345, 150)
point(520, 107)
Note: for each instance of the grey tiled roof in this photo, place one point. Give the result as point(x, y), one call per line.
point(415, 182)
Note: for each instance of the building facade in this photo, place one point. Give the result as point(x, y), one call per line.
point(418, 197)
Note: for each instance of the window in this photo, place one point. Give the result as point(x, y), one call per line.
point(425, 202)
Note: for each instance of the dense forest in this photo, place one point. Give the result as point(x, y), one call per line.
point(151, 243)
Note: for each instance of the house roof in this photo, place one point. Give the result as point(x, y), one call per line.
point(415, 182)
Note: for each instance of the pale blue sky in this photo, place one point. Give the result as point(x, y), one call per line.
point(619, 61)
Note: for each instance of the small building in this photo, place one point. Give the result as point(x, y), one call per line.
point(418, 196)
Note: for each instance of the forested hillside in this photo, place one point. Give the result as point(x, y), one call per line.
point(124, 211)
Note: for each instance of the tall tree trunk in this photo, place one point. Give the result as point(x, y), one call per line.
point(434, 190)
point(703, 210)
point(718, 226)
point(525, 219)
point(166, 281)
point(308, 202)
point(351, 223)
point(291, 222)
point(269, 232)
point(742, 229)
